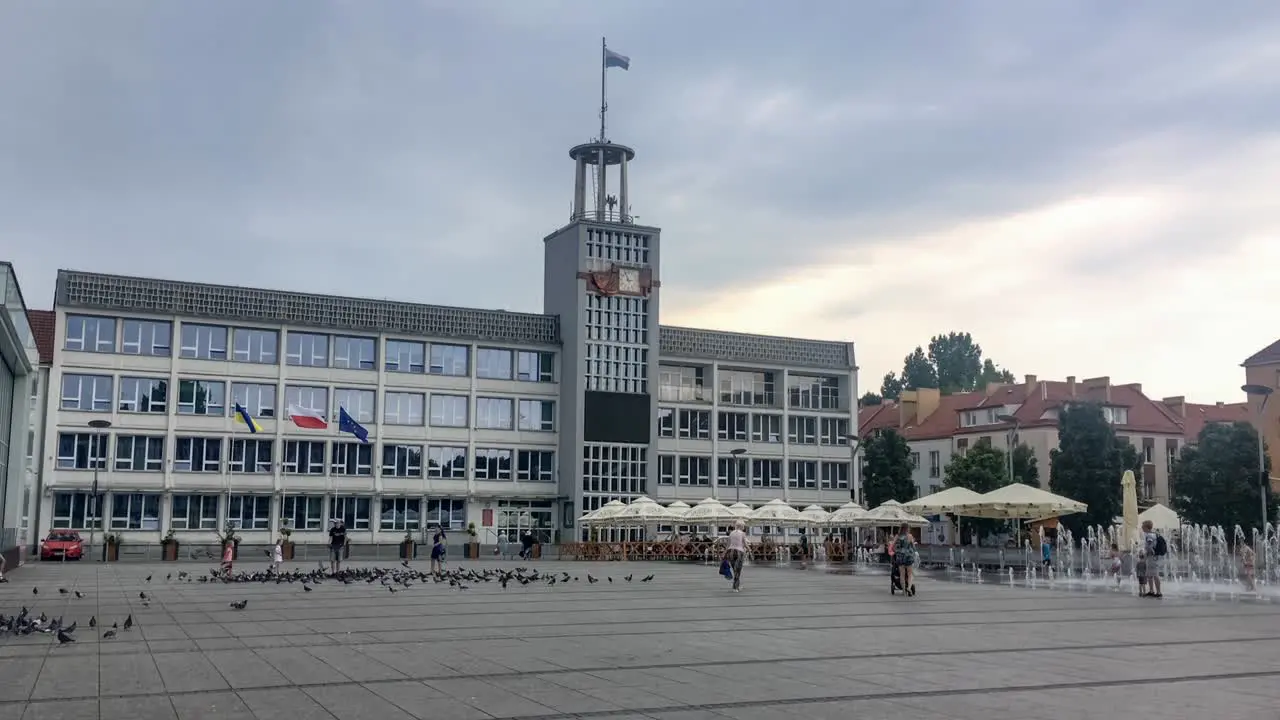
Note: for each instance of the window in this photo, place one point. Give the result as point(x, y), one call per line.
point(743, 387)
point(146, 337)
point(1116, 415)
point(198, 454)
point(250, 512)
point(258, 399)
point(402, 461)
point(201, 397)
point(731, 471)
point(447, 514)
point(449, 410)
point(447, 462)
point(666, 469)
point(135, 453)
point(87, 333)
point(536, 466)
point(404, 356)
point(493, 363)
point(88, 393)
point(144, 395)
point(306, 349)
point(356, 353)
point(766, 428)
point(194, 512)
point(813, 393)
point(491, 413)
point(135, 511)
point(304, 457)
point(358, 403)
point(666, 422)
point(694, 470)
point(399, 408)
point(81, 451)
point(613, 469)
point(352, 458)
point(255, 346)
point(802, 430)
point(309, 397)
point(537, 415)
point(766, 473)
point(74, 511)
point(252, 455)
point(835, 476)
point(962, 446)
point(401, 514)
point(492, 464)
point(802, 474)
point(732, 426)
point(1170, 455)
point(833, 431)
point(935, 464)
point(682, 384)
point(449, 359)
point(354, 511)
point(302, 512)
point(915, 461)
point(203, 342)
point(535, 366)
point(695, 424)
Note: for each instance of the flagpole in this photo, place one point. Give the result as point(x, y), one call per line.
point(604, 106)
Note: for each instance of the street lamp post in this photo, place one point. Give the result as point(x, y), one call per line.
point(1265, 393)
point(737, 454)
point(97, 457)
point(1013, 435)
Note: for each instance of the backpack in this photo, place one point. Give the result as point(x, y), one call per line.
point(903, 549)
point(1162, 548)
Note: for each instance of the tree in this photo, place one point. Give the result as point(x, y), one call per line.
point(886, 474)
point(982, 469)
point(1025, 468)
point(869, 399)
point(953, 363)
point(1088, 464)
point(1216, 480)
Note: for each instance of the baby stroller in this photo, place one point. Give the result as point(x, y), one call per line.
point(895, 578)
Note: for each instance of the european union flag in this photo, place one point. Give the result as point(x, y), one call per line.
point(348, 424)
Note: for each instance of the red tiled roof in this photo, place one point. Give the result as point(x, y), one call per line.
point(1200, 415)
point(875, 417)
point(1269, 355)
point(945, 421)
point(42, 327)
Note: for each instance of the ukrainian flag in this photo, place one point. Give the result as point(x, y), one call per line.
point(244, 418)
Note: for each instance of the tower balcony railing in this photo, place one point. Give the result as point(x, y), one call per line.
point(609, 216)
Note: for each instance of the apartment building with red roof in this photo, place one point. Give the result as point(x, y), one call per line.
point(1263, 368)
point(938, 427)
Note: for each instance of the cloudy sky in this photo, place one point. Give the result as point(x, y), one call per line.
point(1086, 186)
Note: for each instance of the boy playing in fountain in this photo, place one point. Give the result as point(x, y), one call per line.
point(1116, 564)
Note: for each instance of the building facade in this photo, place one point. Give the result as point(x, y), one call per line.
point(18, 362)
point(1263, 368)
point(504, 421)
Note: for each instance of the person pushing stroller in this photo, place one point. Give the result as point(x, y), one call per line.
point(902, 561)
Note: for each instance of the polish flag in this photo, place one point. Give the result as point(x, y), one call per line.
point(307, 418)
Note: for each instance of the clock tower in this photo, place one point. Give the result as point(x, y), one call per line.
point(600, 276)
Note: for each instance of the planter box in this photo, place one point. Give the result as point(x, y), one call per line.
point(286, 551)
point(170, 551)
point(408, 550)
point(111, 552)
point(473, 551)
point(536, 553)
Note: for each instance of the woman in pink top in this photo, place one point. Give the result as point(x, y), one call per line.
point(736, 552)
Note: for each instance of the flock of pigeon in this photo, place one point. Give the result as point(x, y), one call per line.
point(393, 579)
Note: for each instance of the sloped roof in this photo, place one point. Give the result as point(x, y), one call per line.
point(42, 324)
point(1269, 355)
point(1200, 415)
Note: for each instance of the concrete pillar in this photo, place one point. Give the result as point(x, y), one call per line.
point(602, 185)
point(624, 209)
point(579, 187)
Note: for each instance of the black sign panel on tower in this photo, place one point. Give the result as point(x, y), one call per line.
point(611, 417)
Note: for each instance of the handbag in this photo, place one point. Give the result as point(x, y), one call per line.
point(726, 569)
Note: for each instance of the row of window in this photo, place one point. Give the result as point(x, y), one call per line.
point(752, 427)
point(142, 511)
point(746, 387)
point(91, 333)
point(695, 470)
point(94, 393)
point(147, 453)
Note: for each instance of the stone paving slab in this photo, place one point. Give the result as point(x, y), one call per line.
point(794, 643)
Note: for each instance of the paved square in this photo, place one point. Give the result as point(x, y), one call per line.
point(794, 643)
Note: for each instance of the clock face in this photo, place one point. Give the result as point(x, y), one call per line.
point(629, 280)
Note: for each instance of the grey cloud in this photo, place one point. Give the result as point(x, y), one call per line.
point(419, 150)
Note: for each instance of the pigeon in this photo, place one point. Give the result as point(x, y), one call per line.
point(108, 634)
point(611, 579)
point(93, 621)
point(591, 580)
point(35, 591)
point(79, 594)
point(627, 578)
point(64, 638)
point(240, 605)
point(306, 588)
point(63, 591)
point(128, 622)
point(70, 628)
point(142, 596)
point(646, 578)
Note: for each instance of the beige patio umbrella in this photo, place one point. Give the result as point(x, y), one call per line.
point(892, 513)
point(677, 509)
point(1022, 502)
point(815, 515)
point(1129, 490)
point(740, 509)
point(951, 501)
point(846, 516)
point(641, 511)
point(603, 513)
point(776, 512)
point(1161, 517)
point(709, 511)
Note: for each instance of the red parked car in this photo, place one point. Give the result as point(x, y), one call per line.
point(62, 544)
